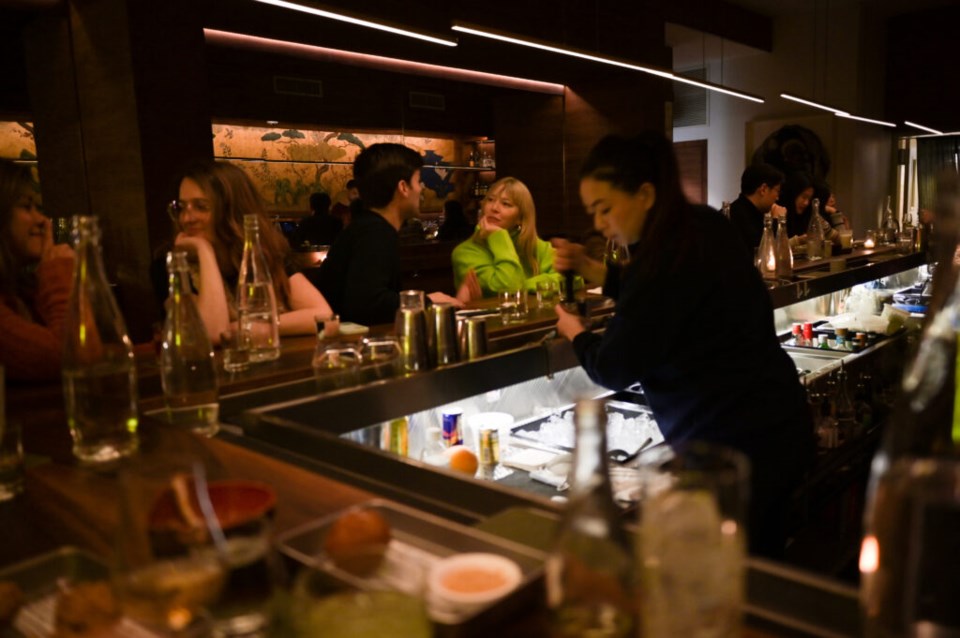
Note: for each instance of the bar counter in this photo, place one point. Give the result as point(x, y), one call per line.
point(65, 504)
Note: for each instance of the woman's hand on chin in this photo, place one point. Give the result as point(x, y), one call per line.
point(193, 244)
point(487, 227)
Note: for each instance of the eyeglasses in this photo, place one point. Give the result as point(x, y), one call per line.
point(178, 206)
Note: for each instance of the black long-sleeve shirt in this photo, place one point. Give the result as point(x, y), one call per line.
point(360, 278)
point(748, 220)
point(698, 335)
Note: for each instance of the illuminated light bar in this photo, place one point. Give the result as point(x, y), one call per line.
point(333, 15)
point(298, 49)
point(923, 128)
point(591, 57)
point(866, 119)
point(815, 105)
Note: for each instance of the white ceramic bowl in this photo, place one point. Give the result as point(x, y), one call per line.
point(464, 583)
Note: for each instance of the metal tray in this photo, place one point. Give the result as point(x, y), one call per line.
point(39, 578)
point(417, 541)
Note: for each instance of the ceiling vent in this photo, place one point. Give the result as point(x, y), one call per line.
point(429, 101)
point(297, 86)
point(690, 103)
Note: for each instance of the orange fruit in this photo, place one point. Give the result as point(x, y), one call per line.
point(358, 540)
point(462, 459)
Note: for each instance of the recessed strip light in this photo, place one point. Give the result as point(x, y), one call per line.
point(815, 105)
point(866, 119)
point(923, 128)
point(342, 17)
point(586, 55)
point(365, 60)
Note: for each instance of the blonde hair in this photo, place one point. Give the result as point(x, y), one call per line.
point(526, 241)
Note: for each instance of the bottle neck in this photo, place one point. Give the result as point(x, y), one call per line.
point(589, 473)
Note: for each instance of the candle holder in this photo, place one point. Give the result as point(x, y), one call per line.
point(871, 239)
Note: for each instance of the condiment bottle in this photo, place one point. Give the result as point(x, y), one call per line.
point(256, 302)
point(99, 373)
point(188, 372)
point(589, 573)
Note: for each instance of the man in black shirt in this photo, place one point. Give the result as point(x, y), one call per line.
point(759, 190)
point(360, 277)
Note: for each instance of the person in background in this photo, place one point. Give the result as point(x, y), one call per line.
point(36, 277)
point(759, 189)
point(343, 208)
point(833, 215)
point(412, 231)
point(693, 324)
point(455, 226)
point(213, 199)
point(361, 274)
point(505, 252)
point(321, 228)
point(796, 197)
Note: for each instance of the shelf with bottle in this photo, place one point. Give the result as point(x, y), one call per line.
point(262, 160)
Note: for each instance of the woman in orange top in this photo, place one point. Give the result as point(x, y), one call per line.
point(35, 280)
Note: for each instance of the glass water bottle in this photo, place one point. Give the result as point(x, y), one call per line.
point(784, 254)
point(591, 589)
point(910, 578)
point(815, 232)
point(767, 251)
point(99, 373)
point(256, 301)
point(188, 371)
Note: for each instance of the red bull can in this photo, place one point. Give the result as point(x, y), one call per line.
point(452, 428)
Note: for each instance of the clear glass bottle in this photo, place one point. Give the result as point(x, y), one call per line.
point(767, 251)
point(591, 588)
point(434, 451)
point(909, 581)
point(784, 254)
point(815, 232)
point(891, 229)
point(188, 371)
point(256, 302)
point(99, 372)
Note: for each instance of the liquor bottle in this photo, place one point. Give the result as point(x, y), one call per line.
point(890, 227)
point(910, 583)
point(256, 302)
point(591, 588)
point(99, 373)
point(188, 371)
point(815, 233)
point(767, 252)
point(784, 254)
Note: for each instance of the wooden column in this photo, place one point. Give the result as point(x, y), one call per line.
point(119, 98)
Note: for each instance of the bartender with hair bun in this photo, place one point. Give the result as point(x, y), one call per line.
point(693, 324)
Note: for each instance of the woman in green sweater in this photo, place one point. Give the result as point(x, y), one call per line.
point(504, 251)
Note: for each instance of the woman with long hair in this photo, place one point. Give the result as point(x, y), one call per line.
point(213, 199)
point(693, 325)
point(35, 275)
point(797, 197)
point(504, 251)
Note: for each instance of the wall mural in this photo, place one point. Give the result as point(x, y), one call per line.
point(286, 164)
point(17, 141)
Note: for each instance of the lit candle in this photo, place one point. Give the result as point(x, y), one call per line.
point(772, 263)
point(871, 239)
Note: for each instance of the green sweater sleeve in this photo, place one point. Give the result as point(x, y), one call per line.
point(545, 261)
point(495, 262)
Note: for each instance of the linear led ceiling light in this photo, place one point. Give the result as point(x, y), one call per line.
point(342, 17)
point(866, 119)
point(484, 32)
point(923, 128)
point(815, 105)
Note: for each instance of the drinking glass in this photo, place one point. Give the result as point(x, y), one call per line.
point(170, 565)
point(616, 253)
point(236, 350)
point(548, 291)
point(335, 365)
point(513, 305)
point(412, 300)
point(691, 544)
point(382, 356)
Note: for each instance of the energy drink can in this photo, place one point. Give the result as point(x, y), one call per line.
point(489, 446)
point(452, 428)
